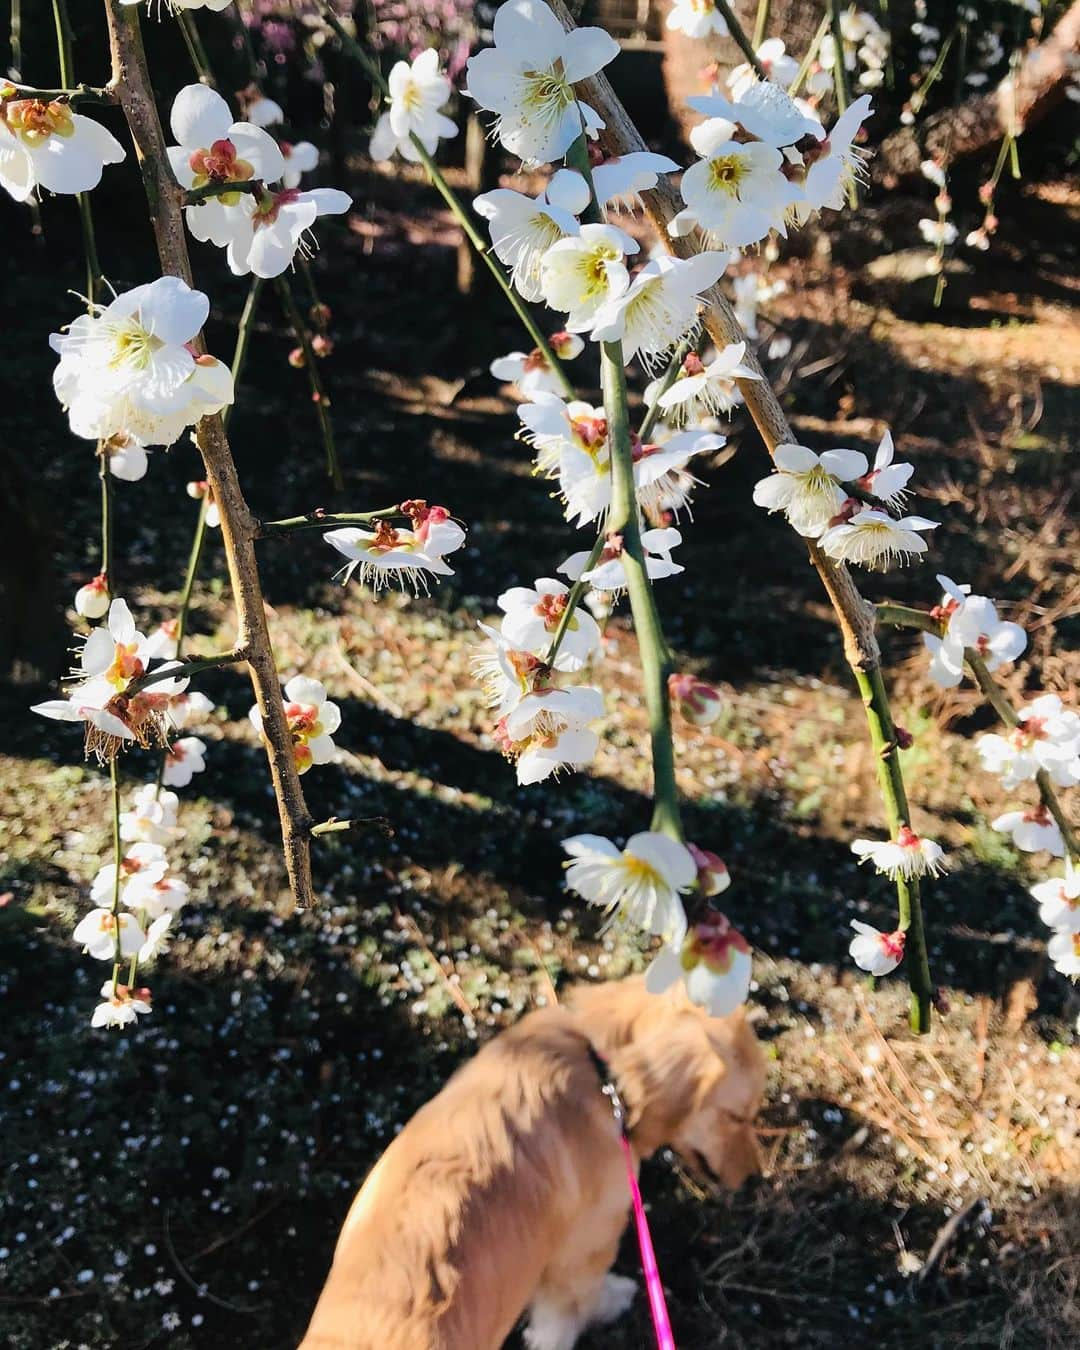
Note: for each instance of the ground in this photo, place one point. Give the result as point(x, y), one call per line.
point(183, 1183)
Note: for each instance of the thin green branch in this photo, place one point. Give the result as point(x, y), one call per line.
point(323, 520)
point(252, 186)
point(189, 31)
point(105, 478)
point(810, 57)
point(738, 34)
point(319, 395)
point(185, 669)
point(840, 75)
point(901, 616)
point(353, 49)
point(761, 22)
point(574, 598)
point(114, 788)
point(652, 415)
point(82, 93)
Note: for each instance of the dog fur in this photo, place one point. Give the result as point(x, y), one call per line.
point(508, 1190)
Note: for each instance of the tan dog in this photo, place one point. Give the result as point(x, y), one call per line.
point(508, 1190)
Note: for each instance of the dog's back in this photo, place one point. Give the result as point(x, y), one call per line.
point(451, 1232)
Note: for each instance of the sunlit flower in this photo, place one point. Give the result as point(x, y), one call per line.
point(765, 111)
point(779, 67)
point(1032, 831)
point(212, 148)
point(417, 92)
point(704, 388)
point(547, 731)
point(696, 18)
point(527, 79)
point(660, 306)
point(524, 228)
point(1047, 738)
point(699, 703)
point(183, 760)
point(833, 165)
point(143, 865)
point(887, 480)
point(505, 674)
point(639, 885)
point(130, 358)
point(1059, 901)
point(389, 553)
point(938, 232)
point(971, 621)
point(97, 933)
point(187, 708)
point(906, 856)
point(48, 145)
point(152, 816)
point(623, 177)
point(531, 371)
point(112, 657)
point(312, 719)
point(555, 428)
point(300, 157)
point(806, 486)
point(662, 481)
point(92, 600)
point(122, 1006)
point(267, 231)
point(532, 615)
point(712, 958)
point(872, 538)
point(157, 938)
point(875, 952)
point(736, 191)
point(1064, 950)
point(580, 274)
point(609, 573)
point(167, 896)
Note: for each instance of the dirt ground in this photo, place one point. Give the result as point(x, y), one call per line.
point(183, 1183)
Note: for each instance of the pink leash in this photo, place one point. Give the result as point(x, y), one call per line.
point(665, 1340)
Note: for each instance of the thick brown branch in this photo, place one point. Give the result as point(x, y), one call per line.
point(983, 119)
point(238, 527)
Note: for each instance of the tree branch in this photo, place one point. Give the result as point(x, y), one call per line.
point(166, 199)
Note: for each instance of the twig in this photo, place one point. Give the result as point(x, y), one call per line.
point(254, 187)
point(319, 395)
point(321, 519)
point(238, 526)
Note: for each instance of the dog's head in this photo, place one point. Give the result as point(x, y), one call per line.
point(690, 1081)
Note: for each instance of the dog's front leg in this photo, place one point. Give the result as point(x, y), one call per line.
point(577, 1289)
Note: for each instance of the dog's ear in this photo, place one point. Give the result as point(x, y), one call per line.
point(666, 1072)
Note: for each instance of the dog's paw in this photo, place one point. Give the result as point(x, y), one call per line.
point(552, 1329)
point(616, 1295)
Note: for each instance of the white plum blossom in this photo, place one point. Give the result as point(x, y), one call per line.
point(141, 867)
point(312, 720)
point(779, 67)
point(1032, 831)
point(806, 486)
point(660, 306)
point(97, 933)
point(555, 428)
point(183, 760)
point(580, 274)
point(662, 481)
point(127, 368)
point(47, 145)
point(547, 731)
point(1064, 950)
point(187, 708)
point(907, 856)
point(765, 111)
point(872, 538)
point(713, 960)
point(417, 92)
point(212, 148)
point(92, 600)
point(736, 191)
point(157, 938)
point(523, 228)
point(121, 1005)
point(622, 177)
point(531, 618)
point(704, 388)
point(1059, 901)
point(531, 371)
point(1046, 739)
point(638, 885)
point(300, 157)
point(391, 553)
point(152, 816)
point(527, 79)
point(505, 674)
point(886, 480)
point(609, 573)
point(875, 952)
point(971, 621)
point(264, 112)
point(939, 232)
point(697, 19)
point(833, 165)
point(112, 657)
point(267, 231)
point(166, 896)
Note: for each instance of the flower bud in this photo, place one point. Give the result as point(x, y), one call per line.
point(92, 600)
point(198, 488)
point(297, 359)
point(322, 346)
point(320, 315)
point(698, 702)
point(712, 874)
